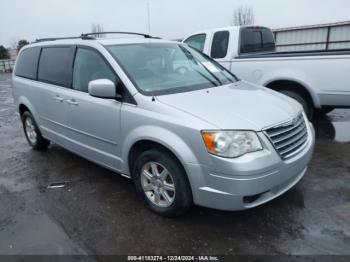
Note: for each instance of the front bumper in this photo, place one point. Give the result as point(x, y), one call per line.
point(248, 181)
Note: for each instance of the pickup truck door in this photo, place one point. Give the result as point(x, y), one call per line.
point(219, 48)
point(94, 123)
point(215, 45)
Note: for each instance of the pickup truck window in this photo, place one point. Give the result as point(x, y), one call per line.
point(165, 68)
point(256, 39)
point(196, 41)
point(220, 44)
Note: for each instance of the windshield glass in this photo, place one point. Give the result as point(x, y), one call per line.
point(160, 68)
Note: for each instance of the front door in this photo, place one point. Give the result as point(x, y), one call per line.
point(94, 123)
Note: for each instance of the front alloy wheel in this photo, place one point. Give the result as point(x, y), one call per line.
point(161, 182)
point(158, 184)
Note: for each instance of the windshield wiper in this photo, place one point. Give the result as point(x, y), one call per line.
point(190, 56)
point(212, 74)
point(210, 80)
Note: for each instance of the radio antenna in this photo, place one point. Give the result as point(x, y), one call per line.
point(149, 17)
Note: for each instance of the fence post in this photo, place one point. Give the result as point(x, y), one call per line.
point(328, 36)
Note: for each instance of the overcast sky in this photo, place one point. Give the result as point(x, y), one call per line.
point(31, 19)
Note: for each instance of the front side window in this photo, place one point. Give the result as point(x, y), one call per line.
point(160, 68)
point(196, 41)
point(55, 65)
point(88, 66)
point(27, 63)
point(220, 44)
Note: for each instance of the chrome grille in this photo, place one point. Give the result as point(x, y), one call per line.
point(288, 138)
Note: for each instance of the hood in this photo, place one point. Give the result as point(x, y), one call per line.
point(240, 105)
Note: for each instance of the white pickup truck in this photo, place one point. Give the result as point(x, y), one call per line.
point(319, 80)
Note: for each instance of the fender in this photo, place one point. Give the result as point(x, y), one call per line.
point(314, 96)
point(24, 101)
point(161, 136)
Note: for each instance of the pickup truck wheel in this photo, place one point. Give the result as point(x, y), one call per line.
point(32, 132)
point(161, 183)
point(324, 110)
point(308, 108)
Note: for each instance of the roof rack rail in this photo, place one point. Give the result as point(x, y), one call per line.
point(83, 36)
point(90, 36)
point(60, 38)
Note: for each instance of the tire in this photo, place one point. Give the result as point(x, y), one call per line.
point(324, 110)
point(32, 132)
point(308, 108)
point(173, 187)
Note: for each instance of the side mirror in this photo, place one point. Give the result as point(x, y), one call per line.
point(102, 88)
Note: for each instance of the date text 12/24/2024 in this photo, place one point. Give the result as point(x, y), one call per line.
point(173, 258)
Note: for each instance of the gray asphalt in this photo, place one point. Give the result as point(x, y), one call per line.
point(98, 212)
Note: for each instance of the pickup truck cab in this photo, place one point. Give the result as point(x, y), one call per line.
point(317, 79)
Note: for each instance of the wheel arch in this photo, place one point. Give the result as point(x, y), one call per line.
point(158, 137)
point(296, 86)
point(22, 108)
point(147, 144)
point(25, 105)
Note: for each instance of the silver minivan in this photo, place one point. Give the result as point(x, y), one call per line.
point(185, 129)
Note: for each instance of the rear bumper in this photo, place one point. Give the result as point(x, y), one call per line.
point(249, 185)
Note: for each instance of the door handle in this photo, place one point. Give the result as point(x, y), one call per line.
point(57, 98)
point(72, 102)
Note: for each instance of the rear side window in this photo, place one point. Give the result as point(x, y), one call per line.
point(27, 63)
point(88, 66)
point(196, 41)
point(220, 44)
point(55, 65)
point(256, 39)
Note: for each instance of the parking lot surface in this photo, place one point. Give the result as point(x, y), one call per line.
point(97, 211)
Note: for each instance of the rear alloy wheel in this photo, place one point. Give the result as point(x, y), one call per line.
point(32, 132)
point(162, 183)
point(308, 108)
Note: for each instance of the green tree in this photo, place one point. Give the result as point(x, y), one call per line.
point(4, 53)
point(21, 43)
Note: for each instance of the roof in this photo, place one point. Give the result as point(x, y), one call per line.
point(102, 41)
point(343, 23)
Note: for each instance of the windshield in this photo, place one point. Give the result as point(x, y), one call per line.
point(161, 68)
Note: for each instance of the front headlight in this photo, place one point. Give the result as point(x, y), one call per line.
point(231, 143)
